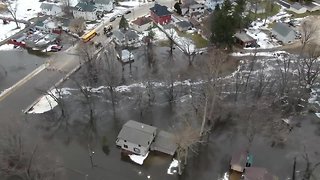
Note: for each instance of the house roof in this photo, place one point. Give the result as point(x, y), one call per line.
point(282, 29)
point(160, 10)
point(87, 7)
point(102, 1)
point(194, 22)
point(296, 6)
point(137, 133)
point(129, 34)
point(46, 6)
point(183, 24)
point(257, 173)
point(244, 37)
point(141, 21)
point(164, 142)
point(284, 3)
point(239, 158)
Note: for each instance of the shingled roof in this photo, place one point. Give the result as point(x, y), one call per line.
point(160, 10)
point(142, 21)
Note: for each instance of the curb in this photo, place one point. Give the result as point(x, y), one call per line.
point(52, 87)
point(11, 89)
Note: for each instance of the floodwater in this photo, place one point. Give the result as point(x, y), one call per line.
point(74, 139)
point(16, 64)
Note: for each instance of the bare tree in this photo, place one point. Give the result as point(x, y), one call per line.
point(190, 50)
point(308, 32)
point(77, 26)
point(310, 168)
point(309, 67)
point(66, 6)
point(19, 159)
point(187, 138)
point(110, 70)
point(11, 8)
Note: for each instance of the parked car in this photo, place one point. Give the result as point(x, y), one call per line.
point(128, 12)
point(112, 18)
point(119, 15)
point(107, 28)
point(55, 48)
point(109, 34)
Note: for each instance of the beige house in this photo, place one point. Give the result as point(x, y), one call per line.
point(141, 24)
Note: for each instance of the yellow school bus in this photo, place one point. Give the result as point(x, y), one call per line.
point(88, 36)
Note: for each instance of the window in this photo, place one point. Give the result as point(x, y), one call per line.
point(125, 146)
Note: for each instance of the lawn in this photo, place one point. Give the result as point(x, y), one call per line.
point(198, 40)
point(274, 11)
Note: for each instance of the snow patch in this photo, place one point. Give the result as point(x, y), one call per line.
point(137, 158)
point(225, 176)
point(173, 166)
point(7, 30)
point(6, 47)
point(47, 102)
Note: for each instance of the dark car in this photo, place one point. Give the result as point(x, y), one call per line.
point(112, 19)
point(109, 34)
point(128, 12)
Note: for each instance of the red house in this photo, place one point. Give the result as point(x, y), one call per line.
point(160, 14)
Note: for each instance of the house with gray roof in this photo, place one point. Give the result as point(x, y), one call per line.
point(183, 25)
point(104, 5)
point(244, 39)
point(136, 137)
point(125, 37)
point(297, 8)
point(50, 9)
point(140, 138)
point(311, 7)
point(85, 10)
point(283, 32)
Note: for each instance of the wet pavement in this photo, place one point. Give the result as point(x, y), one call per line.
point(16, 64)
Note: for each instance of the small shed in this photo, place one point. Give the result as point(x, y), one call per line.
point(298, 8)
point(238, 161)
point(283, 32)
point(164, 143)
point(257, 173)
point(244, 39)
point(183, 25)
point(136, 137)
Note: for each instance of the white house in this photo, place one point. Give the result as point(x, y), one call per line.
point(211, 4)
point(141, 24)
point(104, 5)
point(87, 11)
point(125, 37)
point(51, 9)
point(298, 8)
point(192, 7)
point(136, 137)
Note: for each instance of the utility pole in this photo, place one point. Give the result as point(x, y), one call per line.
point(294, 169)
point(91, 153)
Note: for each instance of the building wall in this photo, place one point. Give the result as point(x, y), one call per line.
point(88, 16)
point(142, 27)
point(54, 11)
point(160, 20)
point(132, 147)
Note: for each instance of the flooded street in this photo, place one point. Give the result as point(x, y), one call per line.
point(16, 64)
point(84, 147)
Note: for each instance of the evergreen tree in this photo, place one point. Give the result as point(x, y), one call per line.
point(178, 8)
point(123, 24)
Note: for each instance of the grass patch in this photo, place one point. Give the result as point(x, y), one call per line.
point(295, 15)
point(197, 39)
